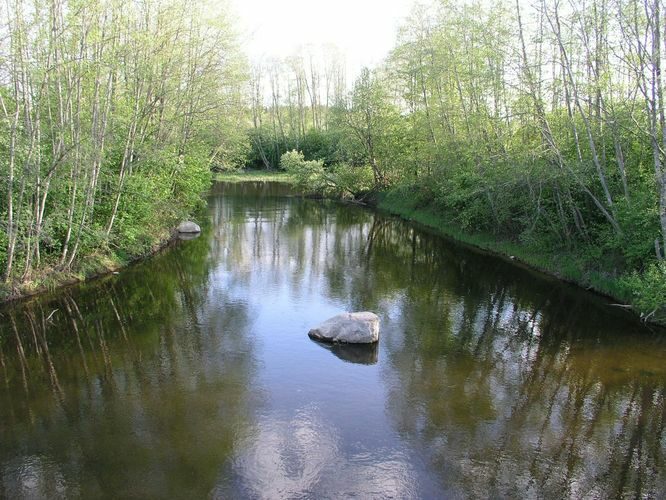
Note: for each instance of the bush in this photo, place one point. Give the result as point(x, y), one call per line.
point(347, 180)
point(309, 175)
point(648, 290)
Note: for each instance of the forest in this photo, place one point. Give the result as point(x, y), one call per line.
point(537, 130)
point(112, 114)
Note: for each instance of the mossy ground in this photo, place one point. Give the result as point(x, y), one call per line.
point(255, 175)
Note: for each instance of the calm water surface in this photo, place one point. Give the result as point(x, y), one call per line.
point(191, 375)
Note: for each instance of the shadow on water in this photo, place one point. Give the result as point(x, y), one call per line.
point(183, 376)
point(361, 354)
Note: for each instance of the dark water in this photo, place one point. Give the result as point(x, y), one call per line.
point(191, 375)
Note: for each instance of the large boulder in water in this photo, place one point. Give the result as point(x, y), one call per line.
point(188, 227)
point(352, 328)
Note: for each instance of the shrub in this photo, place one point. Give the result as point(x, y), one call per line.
point(309, 175)
point(648, 290)
point(347, 180)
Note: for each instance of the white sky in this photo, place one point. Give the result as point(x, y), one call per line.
point(364, 30)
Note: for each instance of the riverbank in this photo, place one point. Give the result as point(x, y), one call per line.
point(564, 266)
point(101, 263)
point(91, 267)
point(568, 268)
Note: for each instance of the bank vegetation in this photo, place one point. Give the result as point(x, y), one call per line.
point(112, 113)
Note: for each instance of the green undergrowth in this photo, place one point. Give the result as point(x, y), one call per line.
point(255, 175)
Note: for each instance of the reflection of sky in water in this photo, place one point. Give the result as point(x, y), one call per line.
point(35, 476)
point(323, 431)
point(305, 456)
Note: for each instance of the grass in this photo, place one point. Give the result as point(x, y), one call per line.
point(255, 175)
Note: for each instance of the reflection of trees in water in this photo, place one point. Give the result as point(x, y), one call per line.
point(289, 243)
point(513, 387)
point(130, 386)
point(512, 384)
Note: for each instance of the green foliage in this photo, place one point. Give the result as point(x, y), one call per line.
point(342, 180)
point(320, 145)
point(191, 177)
point(456, 118)
point(639, 219)
point(164, 188)
point(314, 144)
point(350, 181)
point(137, 118)
point(648, 290)
point(309, 175)
point(231, 155)
point(459, 124)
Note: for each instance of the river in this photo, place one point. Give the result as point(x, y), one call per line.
point(191, 375)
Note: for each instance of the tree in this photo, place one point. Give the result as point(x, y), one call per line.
point(92, 92)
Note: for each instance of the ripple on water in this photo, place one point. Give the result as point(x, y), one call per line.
point(304, 457)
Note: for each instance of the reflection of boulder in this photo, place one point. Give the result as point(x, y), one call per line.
point(352, 328)
point(188, 236)
point(188, 227)
point(362, 354)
